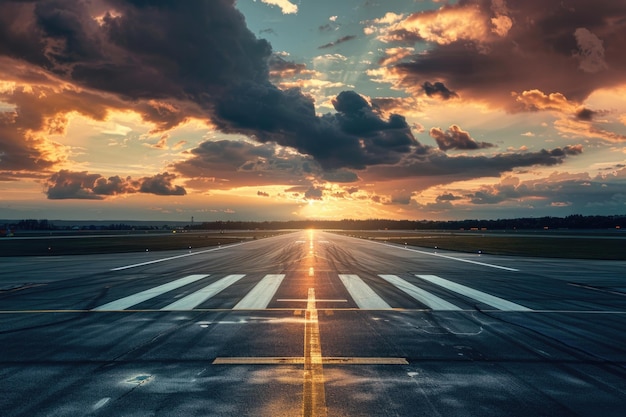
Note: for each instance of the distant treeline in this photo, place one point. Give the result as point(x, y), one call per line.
point(569, 222)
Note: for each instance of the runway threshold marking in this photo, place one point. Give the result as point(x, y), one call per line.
point(362, 294)
point(196, 298)
point(262, 293)
point(488, 299)
point(142, 296)
point(419, 294)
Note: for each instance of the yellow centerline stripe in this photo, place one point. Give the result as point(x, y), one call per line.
point(293, 360)
point(313, 395)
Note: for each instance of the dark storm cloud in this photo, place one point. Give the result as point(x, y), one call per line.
point(137, 50)
point(438, 89)
point(355, 137)
point(448, 197)
point(67, 184)
point(585, 114)
point(161, 184)
point(341, 176)
point(338, 41)
point(175, 59)
point(73, 185)
point(442, 168)
point(281, 68)
point(481, 197)
point(229, 164)
point(572, 47)
point(314, 193)
point(171, 59)
point(602, 193)
point(456, 138)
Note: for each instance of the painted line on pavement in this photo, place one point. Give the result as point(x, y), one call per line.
point(506, 268)
point(313, 391)
point(300, 300)
point(262, 293)
point(142, 296)
point(224, 310)
point(200, 296)
point(288, 360)
point(362, 294)
point(424, 297)
point(485, 298)
point(121, 268)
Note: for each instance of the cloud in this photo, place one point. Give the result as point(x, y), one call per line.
point(314, 193)
point(456, 138)
point(130, 56)
point(585, 114)
point(536, 100)
point(354, 137)
point(73, 185)
point(285, 5)
point(229, 164)
point(281, 68)
point(161, 184)
point(222, 75)
point(81, 185)
point(572, 50)
point(448, 197)
point(430, 167)
point(578, 192)
point(337, 42)
point(438, 89)
point(393, 55)
point(464, 22)
point(590, 51)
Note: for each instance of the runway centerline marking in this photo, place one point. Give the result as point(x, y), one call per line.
point(297, 360)
point(313, 395)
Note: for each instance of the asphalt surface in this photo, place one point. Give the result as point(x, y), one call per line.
point(313, 324)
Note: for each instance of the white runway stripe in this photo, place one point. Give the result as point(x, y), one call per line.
point(424, 297)
point(485, 298)
point(200, 296)
point(142, 296)
point(362, 294)
point(262, 293)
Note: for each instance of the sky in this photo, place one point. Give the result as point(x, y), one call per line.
point(311, 109)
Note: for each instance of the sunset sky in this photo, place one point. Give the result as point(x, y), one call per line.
point(320, 109)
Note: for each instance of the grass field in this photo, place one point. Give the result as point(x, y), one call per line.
point(80, 244)
point(583, 245)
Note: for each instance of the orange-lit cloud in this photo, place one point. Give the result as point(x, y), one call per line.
point(485, 50)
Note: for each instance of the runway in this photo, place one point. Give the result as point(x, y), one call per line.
point(311, 324)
